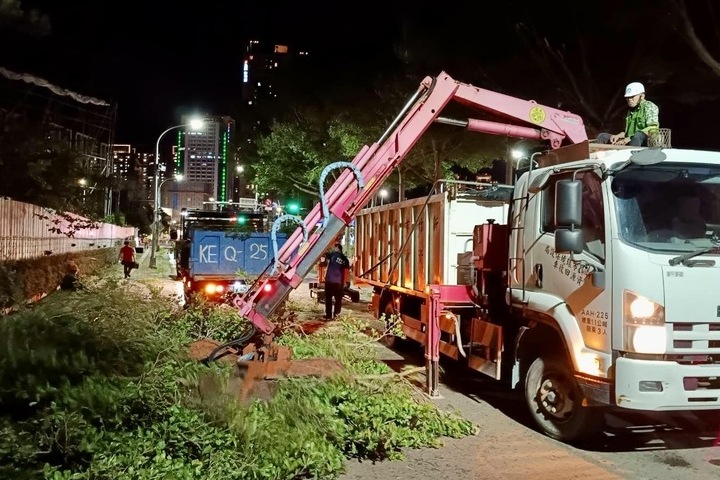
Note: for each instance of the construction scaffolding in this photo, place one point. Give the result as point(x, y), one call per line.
point(83, 123)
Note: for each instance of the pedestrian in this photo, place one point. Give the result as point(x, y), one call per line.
point(641, 121)
point(71, 280)
point(127, 258)
point(335, 275)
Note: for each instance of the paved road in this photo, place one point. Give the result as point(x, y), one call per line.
point(667, 447)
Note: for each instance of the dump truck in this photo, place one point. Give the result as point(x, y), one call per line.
point(596, 291)
point(226, 251)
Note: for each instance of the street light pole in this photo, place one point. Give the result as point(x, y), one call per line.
point(383, 196)
point(195, 124)
point(83, 184)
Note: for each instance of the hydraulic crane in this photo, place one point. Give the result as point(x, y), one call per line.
point(362, 177)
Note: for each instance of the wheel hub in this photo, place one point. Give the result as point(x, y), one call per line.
point(554, 398)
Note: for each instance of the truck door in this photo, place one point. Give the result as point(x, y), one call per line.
point(560, 278)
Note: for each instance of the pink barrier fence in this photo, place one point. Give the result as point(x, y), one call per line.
point(28, 231)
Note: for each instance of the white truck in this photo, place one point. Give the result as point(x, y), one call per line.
point(597, 289)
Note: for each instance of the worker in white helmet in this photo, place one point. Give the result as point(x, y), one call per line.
point(641, 121)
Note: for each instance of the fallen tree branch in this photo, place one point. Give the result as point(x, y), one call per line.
point(404, 373)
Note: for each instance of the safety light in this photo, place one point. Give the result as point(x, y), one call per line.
point(212, 288)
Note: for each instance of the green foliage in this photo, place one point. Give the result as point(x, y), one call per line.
point(378, 423)
point(98, 386)
point(30, 160)
point(68, 336)
point(292, 156)
point(11, 291)
point(203, 319)
point(351, 343)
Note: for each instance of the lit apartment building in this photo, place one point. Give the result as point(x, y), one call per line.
point(145, 166)
point(265, 67)
point(123, 160)
point(203, 158)
point(266, 72)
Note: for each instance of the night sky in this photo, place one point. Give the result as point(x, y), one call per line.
point(143, 55)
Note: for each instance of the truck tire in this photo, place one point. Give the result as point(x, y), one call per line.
point(555, 401)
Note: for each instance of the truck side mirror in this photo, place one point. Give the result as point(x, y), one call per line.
point(568, 204)
point(568, 217)
point(568, 241)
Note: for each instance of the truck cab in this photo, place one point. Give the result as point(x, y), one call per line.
point(620, 252)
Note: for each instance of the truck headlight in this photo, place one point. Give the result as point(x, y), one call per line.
point(643, 325)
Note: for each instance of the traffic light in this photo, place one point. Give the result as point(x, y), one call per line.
point(241, 219)
point(293, 208)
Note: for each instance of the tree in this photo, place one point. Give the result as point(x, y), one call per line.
point(584, 66)
point(707, 55)
point(14, 18)
point(38, 169)
point(296, 150)
point(292, 156)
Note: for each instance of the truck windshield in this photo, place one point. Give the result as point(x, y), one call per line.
point(669, 207)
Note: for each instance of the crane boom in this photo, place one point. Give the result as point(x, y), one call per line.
point(362, 178)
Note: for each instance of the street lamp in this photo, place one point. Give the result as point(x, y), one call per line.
point(195, 125)
point(177, 178)
point(83, 184)
point(383, 196)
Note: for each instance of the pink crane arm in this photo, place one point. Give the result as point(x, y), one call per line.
point(375, 162)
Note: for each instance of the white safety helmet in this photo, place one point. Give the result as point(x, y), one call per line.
point(634, 88)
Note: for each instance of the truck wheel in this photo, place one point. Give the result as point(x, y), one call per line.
point(555, 401)
point(389, 340)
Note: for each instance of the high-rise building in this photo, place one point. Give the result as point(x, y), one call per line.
point(265, 81)
point(145, 166)
point(128, 162)
point(123, 160)
point(265, 67)
point(203, 158)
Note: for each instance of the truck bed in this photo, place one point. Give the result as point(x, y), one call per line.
point(433, 235)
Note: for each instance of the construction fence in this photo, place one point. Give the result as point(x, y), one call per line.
point(30, 231)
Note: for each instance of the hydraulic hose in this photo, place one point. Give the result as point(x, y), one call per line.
point(323, 201)
point(273, 234)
